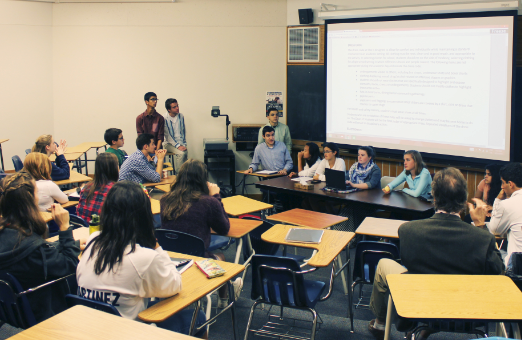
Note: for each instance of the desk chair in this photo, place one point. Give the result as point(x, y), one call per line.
point(17, 162)
point(14, 305)
point(279, 281)
point(27, 151)
point(74, 221)
point(385, 180)
point(367, 256)
point(74, 300)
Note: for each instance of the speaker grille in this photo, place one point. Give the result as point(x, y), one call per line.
point(303, 44)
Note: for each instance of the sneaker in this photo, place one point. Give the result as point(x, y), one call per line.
point(222, 302)
point(377, 333)
point(238, 286)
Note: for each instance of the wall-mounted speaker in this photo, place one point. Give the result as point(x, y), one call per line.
point(306, 16)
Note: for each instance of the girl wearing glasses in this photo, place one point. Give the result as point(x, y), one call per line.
point(331, 161)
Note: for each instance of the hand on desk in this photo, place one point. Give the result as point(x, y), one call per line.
point(282, 172)
point(292, 174)
point(386, 190)
point(316, 177)
point(249, 171)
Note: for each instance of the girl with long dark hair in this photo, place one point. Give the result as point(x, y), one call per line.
point(307, 161)
point(25, 254)
point(94, 193)
point(124, 263)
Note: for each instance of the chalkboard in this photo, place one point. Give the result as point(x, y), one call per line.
point(306, 102)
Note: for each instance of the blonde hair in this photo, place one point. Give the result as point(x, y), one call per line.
point(38, 165)
point(41, 143)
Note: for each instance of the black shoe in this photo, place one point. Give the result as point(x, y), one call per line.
point(377, 333)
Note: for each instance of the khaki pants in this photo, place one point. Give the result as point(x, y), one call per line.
point(379, 299)
point(180, 157)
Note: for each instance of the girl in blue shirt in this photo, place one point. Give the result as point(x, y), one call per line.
point(415, 174)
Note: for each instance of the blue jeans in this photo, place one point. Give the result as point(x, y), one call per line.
point(180, 322)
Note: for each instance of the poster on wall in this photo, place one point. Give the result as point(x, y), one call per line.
point(275, 100)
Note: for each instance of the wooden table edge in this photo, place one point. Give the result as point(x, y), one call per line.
point(302, 225)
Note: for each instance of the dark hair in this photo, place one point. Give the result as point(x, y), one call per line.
point(126, 218)
point(267, 129)
point(143, 139)
point(333, 147)
point(450, 190)
point(512, 172)
point(272, 109)
point(496, 184)
point(18, 208)
point(168, 102)
point(369, 151)
point(148, 95)
point(313, 149)
point(111, 135)
point(190, 185)
point(417, 158)
point(105, 171)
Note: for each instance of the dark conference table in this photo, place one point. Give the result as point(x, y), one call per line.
point(396, 201)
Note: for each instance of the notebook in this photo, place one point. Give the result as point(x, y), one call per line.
point(304, 235)
point(182, 264)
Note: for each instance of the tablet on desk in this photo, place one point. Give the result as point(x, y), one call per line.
point(182, 264)
point(304, 235)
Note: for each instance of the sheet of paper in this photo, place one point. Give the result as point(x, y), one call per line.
point(266, 172)
point(299, 179)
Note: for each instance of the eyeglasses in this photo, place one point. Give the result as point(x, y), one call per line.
point(153, 99)
point(327, 151)
point(120, 138)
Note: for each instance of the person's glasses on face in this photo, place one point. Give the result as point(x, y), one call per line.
point(153, 99)
point(120, 138)
point(327, 151)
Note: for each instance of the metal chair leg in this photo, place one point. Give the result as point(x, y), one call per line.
point(343, 277)
point(350, 305)
point(314, 324)
point(252, 309)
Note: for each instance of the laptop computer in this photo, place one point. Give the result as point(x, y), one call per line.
point(335, 180)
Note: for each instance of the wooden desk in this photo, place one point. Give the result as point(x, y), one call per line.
point(238, 229)
point(78, 234)
point(259, 175)
point(195, 287)
point(397, 201)
point(454, 297)
point(155, 206)
point(74, 178)
point(240, 205)
point(69, 157)
point(1, 154)
point(84, 323)
point(169, 180)
point(380, 227)
point(332, 243)
point(307, 218)
point(93, 145)
point(163, 187)
point(47, 216)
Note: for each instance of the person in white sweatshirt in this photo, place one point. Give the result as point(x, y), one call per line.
point(124, 265)
point(331, 160)
point(39, 166)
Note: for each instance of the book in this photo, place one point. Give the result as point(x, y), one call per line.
point(210, 268)
point(266, 172)
point(182, 264)
point(304, 235)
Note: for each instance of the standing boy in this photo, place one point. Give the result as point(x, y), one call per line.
point(151, 121)
point(282, 133)
point(175, 141)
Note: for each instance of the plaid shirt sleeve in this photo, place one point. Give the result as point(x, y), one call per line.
point(86, 209)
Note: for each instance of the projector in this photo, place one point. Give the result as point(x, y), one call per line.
point(215, 144)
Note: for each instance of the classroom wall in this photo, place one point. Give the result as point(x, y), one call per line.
point(294, 5)
point(201, 52)
point(26, 74)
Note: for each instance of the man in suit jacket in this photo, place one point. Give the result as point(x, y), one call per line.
point(441, 244)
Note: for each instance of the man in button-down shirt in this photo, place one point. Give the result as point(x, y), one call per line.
point(271, 154)
point(137, 167)
point(506, 217)
point(282, 132)
point(175, 140)
point(151, 121)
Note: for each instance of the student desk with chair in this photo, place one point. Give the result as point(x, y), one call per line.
point(84, 323)
point(195, 287)
point(74, 178)
point(241, 205)
point(487, 298)
point(164, 181)
point(261, 177)
point(396, 201)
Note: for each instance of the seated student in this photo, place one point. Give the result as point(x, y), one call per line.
point(506, 217)
point(25, 254)
point(311, 157)
point(331, 160)
point(415, 174)
point(46, 145)
point(137, 167)
point(282, 132)
point(441, 244)
point(271, 154)
point(125, 263)
point(94, 193)
point(114, 137)
point(488, 189)
point(194, 206)
point(38, 165)
point(365, 174)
